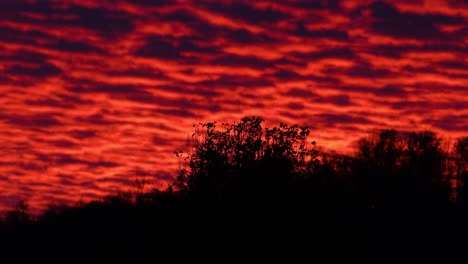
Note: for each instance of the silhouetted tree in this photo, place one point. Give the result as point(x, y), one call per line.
point(424, 167)
point(461, 167)
point(19, 215)
point(245, 162)
point(333, 180)
point(402, 168)
point(377, 167)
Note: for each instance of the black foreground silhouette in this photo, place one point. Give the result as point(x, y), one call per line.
point(248, 193)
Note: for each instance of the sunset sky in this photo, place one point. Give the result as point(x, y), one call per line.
point(94, 93)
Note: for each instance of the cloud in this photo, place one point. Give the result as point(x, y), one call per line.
point(93, 91)
point(322, 33)
point(244, 11)
point(367, 70)
point(33, 121)
point(44, 70)
point(301, 93)
point(340, 100)
point(388, 20)
point(24, 56)
point(332, 120)
point(74, 46)
point(450, 122)
point(390, 91)
point(82, 134)
point(158, 47)
point(243, 61)
point(243, 36)
point(177, 112)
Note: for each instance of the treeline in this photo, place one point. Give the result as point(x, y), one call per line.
point(240, 173)
point(246, 163)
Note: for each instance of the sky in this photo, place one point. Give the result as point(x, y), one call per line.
point(96, 93)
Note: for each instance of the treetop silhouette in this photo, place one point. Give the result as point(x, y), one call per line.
point(245, 159)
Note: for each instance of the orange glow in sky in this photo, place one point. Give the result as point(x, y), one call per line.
point(94, 93)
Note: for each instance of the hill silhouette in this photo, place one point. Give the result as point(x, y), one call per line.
point(249, 193)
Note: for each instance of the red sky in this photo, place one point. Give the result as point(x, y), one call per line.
point(96, 92)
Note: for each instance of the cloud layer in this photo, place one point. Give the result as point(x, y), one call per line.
point(95, 93)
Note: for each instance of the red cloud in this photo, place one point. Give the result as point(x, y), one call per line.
point(94, 93)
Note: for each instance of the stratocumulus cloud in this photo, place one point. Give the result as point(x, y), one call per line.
point(95, 93)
